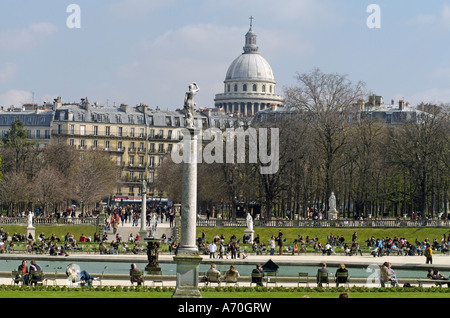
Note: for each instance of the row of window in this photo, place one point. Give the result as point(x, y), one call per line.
point(131, 192)
point(120, 132)
point(136, 176)
point(33, 134)
point(245, 88)
point(172, 121)
point(132, 146)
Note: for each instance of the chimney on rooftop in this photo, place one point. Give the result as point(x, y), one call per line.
point(57, 102)
point(85, 103)
point(142, 108)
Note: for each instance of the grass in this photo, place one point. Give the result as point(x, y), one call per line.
point(223, 293)
point(290, 234)
point(264, 232)
point(363, 233)
point(59, 230)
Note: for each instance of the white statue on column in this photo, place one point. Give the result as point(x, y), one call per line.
point(189, 104)
point(144, 186)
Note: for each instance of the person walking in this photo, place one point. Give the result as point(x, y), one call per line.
point(272, 245)
point(280, 242)
point(428, 253)
point(212, 250)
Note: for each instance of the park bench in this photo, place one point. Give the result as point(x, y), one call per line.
point(231, 279)
point(343, 277)
point(437, 282)
point(271, 278)
point(303, 278)
point(36, 278)
point(212, 277)
point(136, 277)
point(17, 277)
point(100, 279)
point(257, 278)
point(322, 279)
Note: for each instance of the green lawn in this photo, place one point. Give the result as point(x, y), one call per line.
point(363, 233)
point(290, 234)
point(228, 293)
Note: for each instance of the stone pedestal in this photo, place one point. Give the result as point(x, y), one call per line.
point(332, 214)
point(187, 275)
point(31, 230)
point(187, 258)
point(251, 234)
point(152, 254)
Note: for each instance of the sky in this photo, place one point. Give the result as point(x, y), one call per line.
point(149, 51)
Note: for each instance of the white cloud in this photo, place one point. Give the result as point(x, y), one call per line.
point(164, 66)
point(26, 38)
point(441, 20)
point(15, 97)
point(169, 63)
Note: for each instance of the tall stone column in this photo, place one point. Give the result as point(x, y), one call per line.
point(187, 257)
point(143, 231)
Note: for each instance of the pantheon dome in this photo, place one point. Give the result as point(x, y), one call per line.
point(249, 84)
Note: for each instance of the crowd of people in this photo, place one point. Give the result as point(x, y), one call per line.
point(220, 248)
point(131, 214)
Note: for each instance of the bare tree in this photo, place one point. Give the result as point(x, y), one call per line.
point(168, 179)
point(96, 177)
point(49, 187)
point(15, 191)
point(418, 146)
point(329, 100)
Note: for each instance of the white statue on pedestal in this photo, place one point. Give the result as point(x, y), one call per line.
point(332, 212)
point(249, 222)
point(30, 219)
point(332, 202)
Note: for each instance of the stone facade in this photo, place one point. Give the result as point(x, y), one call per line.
point(137, 138)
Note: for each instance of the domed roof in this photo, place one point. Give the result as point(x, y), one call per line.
point(250, 66)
